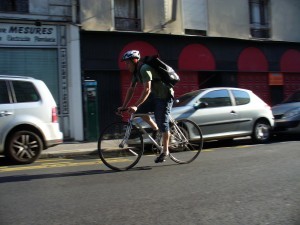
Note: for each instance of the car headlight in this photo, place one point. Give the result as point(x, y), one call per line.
point(292, 113)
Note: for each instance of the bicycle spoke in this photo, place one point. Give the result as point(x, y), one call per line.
point(182, 149)
point(120, 147)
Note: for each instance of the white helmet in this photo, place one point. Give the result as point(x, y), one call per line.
point(132, 54)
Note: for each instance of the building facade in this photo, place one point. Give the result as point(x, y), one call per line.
point(75, 46)
point(247, 44)
point(40, 38)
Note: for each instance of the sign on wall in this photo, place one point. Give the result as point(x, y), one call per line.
point(276, 79)
point(26, 34)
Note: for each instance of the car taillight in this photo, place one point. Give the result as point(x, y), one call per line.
point(54, 115)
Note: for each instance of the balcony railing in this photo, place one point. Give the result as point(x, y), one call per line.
point(127, 24)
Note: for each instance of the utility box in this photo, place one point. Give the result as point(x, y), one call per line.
point(91, 110)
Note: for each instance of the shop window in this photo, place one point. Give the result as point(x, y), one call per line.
point(19, 6)
point(259, 18)
point(127, 15)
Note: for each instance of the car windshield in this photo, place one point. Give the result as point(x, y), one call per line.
point(186, 98)
point(295, 97)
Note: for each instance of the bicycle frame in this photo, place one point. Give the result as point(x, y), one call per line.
point(121, 144)
point(131, 121)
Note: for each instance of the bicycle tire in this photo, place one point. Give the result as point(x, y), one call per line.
point(112, 154)
point(182, 151)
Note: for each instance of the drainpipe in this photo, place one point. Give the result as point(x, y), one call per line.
point(173, 13)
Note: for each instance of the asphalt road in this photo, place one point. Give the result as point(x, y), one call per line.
point(239, 185)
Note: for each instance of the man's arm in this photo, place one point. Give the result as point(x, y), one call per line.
point(144, 95)
point(129, 94)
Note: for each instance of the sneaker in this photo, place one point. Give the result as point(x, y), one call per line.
point(161, 158)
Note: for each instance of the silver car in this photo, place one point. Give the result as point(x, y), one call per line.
point(28, 118)
point(287, 114)
point(226, 113)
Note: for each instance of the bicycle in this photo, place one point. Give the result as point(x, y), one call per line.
point(121, 144)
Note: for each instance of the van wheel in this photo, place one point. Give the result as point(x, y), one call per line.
point(24, 147)
point(261, 132)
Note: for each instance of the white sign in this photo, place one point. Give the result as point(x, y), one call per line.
point(25, 34)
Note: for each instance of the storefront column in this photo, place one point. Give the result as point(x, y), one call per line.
point(74, 81)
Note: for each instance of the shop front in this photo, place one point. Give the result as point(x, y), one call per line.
point(42, 51)
point(201, 62)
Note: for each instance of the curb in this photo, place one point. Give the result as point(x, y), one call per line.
point(66, 153)
point(69, 149)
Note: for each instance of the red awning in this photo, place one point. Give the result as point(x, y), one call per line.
point(252, 59)
point(196, 57)
point(290, 61)
point(144, 47)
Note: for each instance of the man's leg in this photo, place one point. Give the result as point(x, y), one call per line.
point(166, 138)
point(162, 113)
point(150, 121)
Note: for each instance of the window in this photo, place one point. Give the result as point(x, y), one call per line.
point(127, 15)
point(217, 98)
point(259, 18)
point(20, 6)
point(241, 97)
point(4, 98)
point(25, 92)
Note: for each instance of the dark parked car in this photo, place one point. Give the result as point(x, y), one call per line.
point(287, 114)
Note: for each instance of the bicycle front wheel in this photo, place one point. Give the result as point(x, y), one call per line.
point(118, 150)
point(186, 141)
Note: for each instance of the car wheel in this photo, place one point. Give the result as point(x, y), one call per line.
point(24, 147)
point(261, 132)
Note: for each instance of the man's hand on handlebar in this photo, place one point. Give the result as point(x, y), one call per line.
point(130, 110)
point(120, 110)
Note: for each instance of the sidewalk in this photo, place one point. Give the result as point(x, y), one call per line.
point(70, 149)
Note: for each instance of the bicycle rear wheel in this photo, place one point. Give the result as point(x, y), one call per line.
point(185, 145)
point(116, 155)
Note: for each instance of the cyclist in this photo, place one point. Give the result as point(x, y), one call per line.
point(155, 97)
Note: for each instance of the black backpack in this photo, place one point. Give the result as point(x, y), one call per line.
point(167, 74)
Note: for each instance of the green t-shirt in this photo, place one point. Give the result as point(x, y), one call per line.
point(158, 88)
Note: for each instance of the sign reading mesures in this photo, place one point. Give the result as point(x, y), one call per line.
point(24, 34)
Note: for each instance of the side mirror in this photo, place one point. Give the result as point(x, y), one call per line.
point(200, 105)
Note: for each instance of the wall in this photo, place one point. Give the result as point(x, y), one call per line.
point(228, 18)
point(96, 15)
point(155, 16)
point(285, 27)
point(48, 10)
point(158, 16)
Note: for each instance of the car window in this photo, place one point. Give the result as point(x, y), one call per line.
point(4, 98)
point(295, 97)
point(25, 91)
point(217, 98)
point(241, 97)
point(186, 98)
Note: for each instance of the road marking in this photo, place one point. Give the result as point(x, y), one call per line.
point(48, 165)
point(64, 162)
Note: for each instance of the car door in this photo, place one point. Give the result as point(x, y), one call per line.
point(218, 118)
point(6, 108)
